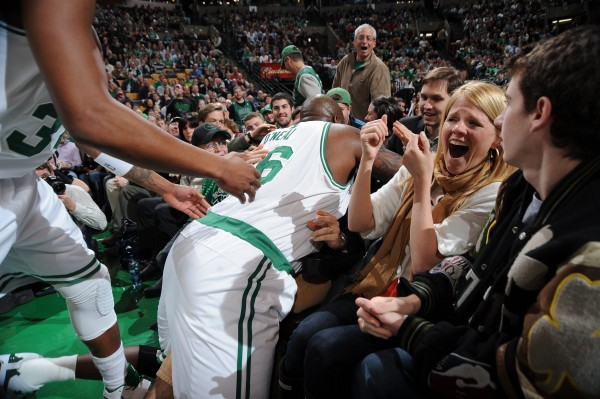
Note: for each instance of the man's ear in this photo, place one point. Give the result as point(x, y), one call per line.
point(337, 118)
point(542, 114)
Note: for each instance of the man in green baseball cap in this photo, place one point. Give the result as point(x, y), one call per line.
point(307, 82)
point(267, 113)
point(343, 100)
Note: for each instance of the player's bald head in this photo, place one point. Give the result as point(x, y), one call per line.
point(321, 108)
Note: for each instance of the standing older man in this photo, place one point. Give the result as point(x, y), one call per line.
point(362, 73)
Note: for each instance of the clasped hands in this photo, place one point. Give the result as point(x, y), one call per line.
point(382, 317)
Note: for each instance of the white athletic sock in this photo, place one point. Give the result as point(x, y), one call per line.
point(113, 369)
point(43, 370)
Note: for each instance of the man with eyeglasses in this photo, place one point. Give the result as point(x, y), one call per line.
point(362, 73)
point(211, 138)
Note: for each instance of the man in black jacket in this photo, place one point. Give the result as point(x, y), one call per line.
point(438, 85)
point(523, 321)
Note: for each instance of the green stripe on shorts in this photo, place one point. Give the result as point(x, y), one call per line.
point(251, 235)
point(69, 278)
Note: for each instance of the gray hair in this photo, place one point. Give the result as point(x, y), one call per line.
point(363, 26)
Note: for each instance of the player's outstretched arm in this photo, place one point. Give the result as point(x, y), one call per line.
point(62, 39)
point(183, 198)
point(186, 199)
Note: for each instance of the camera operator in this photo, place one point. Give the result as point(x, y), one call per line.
point(74, 195)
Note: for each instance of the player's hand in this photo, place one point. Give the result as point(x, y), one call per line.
point(255, 154)
point(372, 137)
point(326, 228)
point(187, 200)
point(240, 179)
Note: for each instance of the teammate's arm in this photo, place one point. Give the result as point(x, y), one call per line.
point(61, 37)
point(183, 198)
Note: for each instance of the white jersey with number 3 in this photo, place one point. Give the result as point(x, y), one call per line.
point(28, 121)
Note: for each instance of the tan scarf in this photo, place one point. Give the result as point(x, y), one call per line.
point(373, 279)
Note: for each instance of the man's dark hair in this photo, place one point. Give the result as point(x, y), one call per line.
point(564, 69)
point(283, 96)
point(389, 107)
point(451, 76)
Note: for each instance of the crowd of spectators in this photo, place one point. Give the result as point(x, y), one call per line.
point(494, 30)
point(180, 78)
point(149, 50)
point(165, 68)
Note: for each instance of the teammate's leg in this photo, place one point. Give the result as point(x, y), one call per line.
point(47, 244)
point(32, 371)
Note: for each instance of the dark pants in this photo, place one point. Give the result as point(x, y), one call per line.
point(339, 312)
point(386, 374)
point(331, 358)
point(158, 222)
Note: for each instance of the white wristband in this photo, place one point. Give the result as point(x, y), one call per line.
point(114, 165)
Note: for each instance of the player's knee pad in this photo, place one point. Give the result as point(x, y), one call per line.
point(91, 305)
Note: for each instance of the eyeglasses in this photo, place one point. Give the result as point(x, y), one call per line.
point(215, 145)
point(363, 37)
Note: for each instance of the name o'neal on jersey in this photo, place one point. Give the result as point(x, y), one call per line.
point(282, 134)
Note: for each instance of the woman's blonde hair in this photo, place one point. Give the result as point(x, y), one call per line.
point(490, 99)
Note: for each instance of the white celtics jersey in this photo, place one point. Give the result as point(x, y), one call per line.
point(28, 120)
point(296, 182)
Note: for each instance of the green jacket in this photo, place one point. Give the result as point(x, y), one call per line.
point(307, 84)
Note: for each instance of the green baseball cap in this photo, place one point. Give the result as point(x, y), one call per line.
point(265, 109)
point(289, 50)
point(341, 95)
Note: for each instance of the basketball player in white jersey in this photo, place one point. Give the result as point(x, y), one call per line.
point(228, 281)
point(51, 66)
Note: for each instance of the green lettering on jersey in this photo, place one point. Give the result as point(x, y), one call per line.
point(275, 165)
point(16, 139)
point(290, 131)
